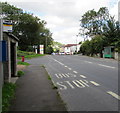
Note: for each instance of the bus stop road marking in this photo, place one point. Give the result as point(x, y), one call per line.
point(83, 76)
point(94, 83)
point(114, 95)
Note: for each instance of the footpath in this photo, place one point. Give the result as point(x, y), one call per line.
point(35, 92)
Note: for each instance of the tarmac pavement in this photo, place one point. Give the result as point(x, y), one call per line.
point(35, 92)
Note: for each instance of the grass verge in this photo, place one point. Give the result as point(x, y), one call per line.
point(23, 63)
point(53, 85)
point(8, 93)
point(20, 73)
point(27, 55)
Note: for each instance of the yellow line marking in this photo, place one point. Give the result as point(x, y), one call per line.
point(94, 83)
point(114, 94)
point(83, 76)
point(75, 71)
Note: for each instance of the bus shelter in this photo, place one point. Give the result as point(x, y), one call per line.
point(108, 52)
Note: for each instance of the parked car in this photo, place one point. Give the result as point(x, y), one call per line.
point(62, 53)
point(67, 53)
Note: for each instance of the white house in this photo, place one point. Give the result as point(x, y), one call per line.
point(71, 48)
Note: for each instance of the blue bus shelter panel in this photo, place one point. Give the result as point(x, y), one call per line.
point(3, 51)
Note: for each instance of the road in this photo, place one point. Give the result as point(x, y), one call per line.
point(84, 83)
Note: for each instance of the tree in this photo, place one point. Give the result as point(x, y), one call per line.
point(86, 48)
point(56, 46)
point(94, 46)
point(112, 32)
point(31, 28)
point(93, 21)
point(49, 50)
point(98, 43)
point(103, 29)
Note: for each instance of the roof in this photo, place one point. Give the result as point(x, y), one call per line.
point(12, 36)
point(69, 45)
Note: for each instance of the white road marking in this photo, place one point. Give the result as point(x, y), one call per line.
point(58, 61)
point(83, 76)
point(63, 87)
point(75, 71)
point(114, 94)
point(85, 83)
point(94, 83)
point(67, 75)
point(65, 66)
point(88, 62)
point(80, 83)
point(70, 84)
point(57, 75)
point(106, 66)
point(69, 68)
point(75, 83)
point(72, 75)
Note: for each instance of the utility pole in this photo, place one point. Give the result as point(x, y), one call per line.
point(76, 43)
point(46, 45)
point(1, 63)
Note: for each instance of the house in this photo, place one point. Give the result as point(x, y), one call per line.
point(10, 64)
point(71, 48)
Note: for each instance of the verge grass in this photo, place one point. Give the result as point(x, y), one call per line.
point(23, 63)
point(27, 54)
point(8, 93)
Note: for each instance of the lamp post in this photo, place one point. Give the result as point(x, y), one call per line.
point(76, 43)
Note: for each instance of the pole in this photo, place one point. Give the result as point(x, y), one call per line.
point(76, 43)
point(46, 45)
point(1, 63)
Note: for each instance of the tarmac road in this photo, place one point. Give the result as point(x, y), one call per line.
point(84, 83)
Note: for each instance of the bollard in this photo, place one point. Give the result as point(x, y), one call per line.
point(23, 59)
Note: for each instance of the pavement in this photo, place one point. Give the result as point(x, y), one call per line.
point(35, 92)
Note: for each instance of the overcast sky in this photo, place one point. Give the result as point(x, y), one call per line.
point(62, 16)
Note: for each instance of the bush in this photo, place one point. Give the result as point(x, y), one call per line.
point(8, 93)
point(20, 73)
point(24, 53)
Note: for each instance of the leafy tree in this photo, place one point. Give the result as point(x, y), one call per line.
point(86, 48)
point(49, 50)
point(103, 29)
point(93, 46)
point(28, 28)
point(112, 33)
point(93, 21)
point(56, 46)
point(98, 43)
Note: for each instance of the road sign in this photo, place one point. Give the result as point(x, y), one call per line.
point(7, 26)
point(41, 49)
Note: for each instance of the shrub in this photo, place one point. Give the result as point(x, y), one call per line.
point(8, 93)
point(20, 73)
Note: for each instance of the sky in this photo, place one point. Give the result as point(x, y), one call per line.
point(62, 16)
